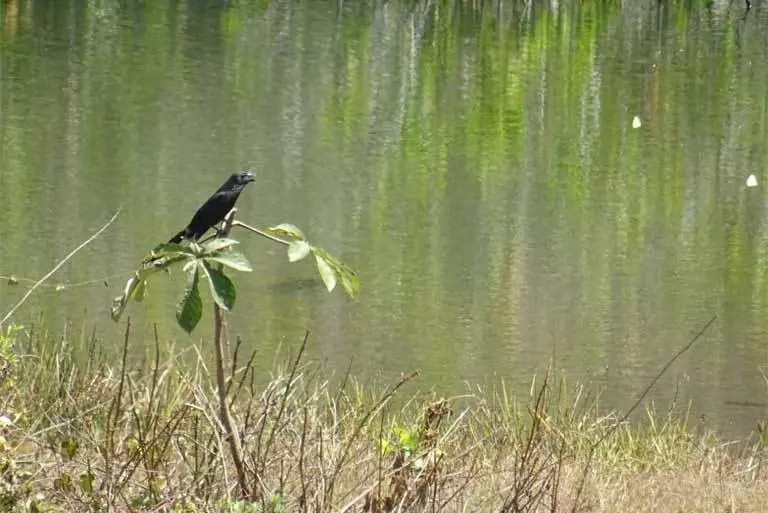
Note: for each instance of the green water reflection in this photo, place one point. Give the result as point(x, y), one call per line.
point(475, 162)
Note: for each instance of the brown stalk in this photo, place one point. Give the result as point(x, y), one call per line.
point(227, 422)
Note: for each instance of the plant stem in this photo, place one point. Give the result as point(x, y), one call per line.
point(230, 433)
point(262, 233)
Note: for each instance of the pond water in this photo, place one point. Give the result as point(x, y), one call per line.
point(478, 163)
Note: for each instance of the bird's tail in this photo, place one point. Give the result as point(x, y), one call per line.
point(177, 238)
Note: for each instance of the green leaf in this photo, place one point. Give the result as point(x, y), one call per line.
point(349, 281)
point(118, 307)
point(297, 250)
point(140, 292)
point(63, 482)
point(287, 229)
point(406, 439)
point(135, 286)
point(222, 288)
point(170, 247)
point(385, 446)
point(348, 278)
point(218, 244)
point(326, 273)
point(159, 263)
point(191, 263)
point(230, 258)
point(86, 482)
point(69, 447)
point(165, 251)
point(120, 302)
point(190, 308)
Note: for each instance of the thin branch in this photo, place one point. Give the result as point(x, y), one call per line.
point(629, 412)
point(653, 382)
point(58, 266)
point(15, 280)
point(261, 232)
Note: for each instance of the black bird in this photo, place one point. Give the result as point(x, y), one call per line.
point(216, 207)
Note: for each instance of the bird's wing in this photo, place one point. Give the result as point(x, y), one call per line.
point(218, 205)
point(211, 212)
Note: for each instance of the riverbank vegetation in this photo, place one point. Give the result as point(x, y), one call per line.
point(80, 434)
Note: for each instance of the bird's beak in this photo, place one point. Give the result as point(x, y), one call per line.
point(249, 177)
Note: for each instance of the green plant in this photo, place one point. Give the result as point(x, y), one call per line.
point(8, 357)
point(197, 260)
point(416, 457)
point(205, 259)
point(330, 268)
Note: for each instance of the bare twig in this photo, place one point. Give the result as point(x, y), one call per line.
point(262, 233)
point(58, 266)
point(286, 393)
point(629, 412)
point(15, 280)
point(383, 400)
point(302, 448)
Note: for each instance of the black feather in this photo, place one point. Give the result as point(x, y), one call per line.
point(215, 208)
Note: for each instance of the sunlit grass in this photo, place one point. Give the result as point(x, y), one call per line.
point(81, 434)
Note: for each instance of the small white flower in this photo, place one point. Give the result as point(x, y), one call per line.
point(751, 181)
point(636, 123)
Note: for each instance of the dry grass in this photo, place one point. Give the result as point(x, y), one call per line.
point(686, 488)
point(87, 436)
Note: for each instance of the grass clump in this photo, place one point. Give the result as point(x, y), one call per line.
point(78, 433)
